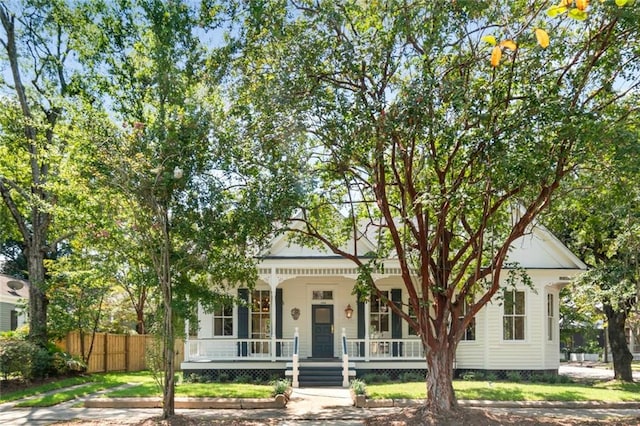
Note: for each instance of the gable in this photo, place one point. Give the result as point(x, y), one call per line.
point(284, 247)
point(540, 249)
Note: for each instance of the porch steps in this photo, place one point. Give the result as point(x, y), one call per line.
point(320, 374)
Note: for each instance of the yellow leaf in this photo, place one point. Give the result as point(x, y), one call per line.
point(582, 4)
point(489, 39)
point(496, 54)
point(621, 3)
point(542, 37)
point(566, 2)
point(554, 11)
point(577, 14)
point(509, 44)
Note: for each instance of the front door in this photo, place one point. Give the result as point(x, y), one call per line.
point(322, 334)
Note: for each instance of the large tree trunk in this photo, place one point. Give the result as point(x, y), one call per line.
point(168, 402)
point(37, 298)
point(440, 394)
point(620, 353)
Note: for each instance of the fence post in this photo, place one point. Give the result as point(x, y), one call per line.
point(126, 352)
point(106, 352)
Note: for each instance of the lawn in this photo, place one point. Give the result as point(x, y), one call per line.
point(213, 390)
point(506, 391)
point(143, 385)
point(92, 383)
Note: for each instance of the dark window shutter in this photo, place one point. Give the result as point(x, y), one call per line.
point(396, 321)
point(361, 325)
point(243, 321)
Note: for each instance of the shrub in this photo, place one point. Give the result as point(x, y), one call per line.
point(280, 386)
point(376, 378)
point(412, 377)
point(473, 375)
point(16, 357)
point(514, 376)
point(564, 379)
point(191, 378)
point(243, 378)
point(491, 377)
point(65, 363)
point(359, 387)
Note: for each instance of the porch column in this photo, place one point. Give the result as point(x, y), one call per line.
point(367, 321)
point(273, 283)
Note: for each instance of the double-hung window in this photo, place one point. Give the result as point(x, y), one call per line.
point(513, 320)
point(470, 332)
point(223, 320)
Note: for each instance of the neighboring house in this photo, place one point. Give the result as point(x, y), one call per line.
point(633, 337)
point(309, 292)
point(13, 293)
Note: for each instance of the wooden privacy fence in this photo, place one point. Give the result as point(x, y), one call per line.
point(116, 352)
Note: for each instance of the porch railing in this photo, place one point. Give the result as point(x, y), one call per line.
point(262, 349)
point(385, 349)
point(233, 349)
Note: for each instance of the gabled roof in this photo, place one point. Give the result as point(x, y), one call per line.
point(282, 246)
point(539, 249)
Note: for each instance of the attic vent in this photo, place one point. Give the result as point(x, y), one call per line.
point(15, 285)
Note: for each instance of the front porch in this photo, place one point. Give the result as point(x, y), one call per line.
point(261, 350)
point(269, 358)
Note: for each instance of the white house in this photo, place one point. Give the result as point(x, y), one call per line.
point(13, 292)
point(303, 305)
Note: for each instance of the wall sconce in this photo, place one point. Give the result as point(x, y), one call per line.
point(295, 314)
point(348, 312)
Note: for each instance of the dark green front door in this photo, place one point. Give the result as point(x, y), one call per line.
point(322, 333)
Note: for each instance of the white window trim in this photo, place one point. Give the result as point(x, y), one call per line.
point(234, 325)
point(527, 320)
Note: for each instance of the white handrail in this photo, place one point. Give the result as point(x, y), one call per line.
point(345, 360)
point(296, 373)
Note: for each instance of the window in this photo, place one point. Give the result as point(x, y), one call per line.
point(513, 319)
point(470, 332)
point(14, 319)
point(412, 314)
point(380, 318)
point(550, 320)
point(223, 320)
point(322, 295)
point(260, 320)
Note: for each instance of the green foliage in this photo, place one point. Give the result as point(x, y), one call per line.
point(442, 160)
point(358, 386)
point(15, 357)
point(514, 376)
point(280, 386)
point(473, 375)
point(411, 377)
point(243, 378)
point(376, 378)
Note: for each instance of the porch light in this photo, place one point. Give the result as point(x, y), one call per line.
point(348, 311)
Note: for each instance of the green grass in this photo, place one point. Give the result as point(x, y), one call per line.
point(95, 382)
point(13, 396)
point(504, 391)
point(63, 396)
point(213, 390)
